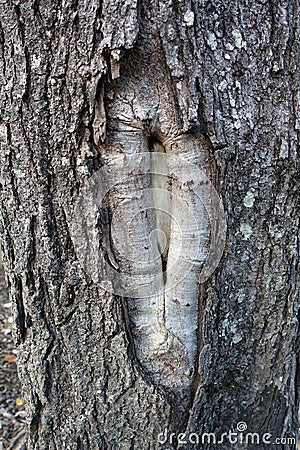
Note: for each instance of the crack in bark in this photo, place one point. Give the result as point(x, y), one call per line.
point(21, 318)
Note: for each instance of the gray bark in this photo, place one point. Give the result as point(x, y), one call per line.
point(84, 81)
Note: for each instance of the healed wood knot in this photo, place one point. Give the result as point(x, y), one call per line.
point(165, 325)
point(160, 229)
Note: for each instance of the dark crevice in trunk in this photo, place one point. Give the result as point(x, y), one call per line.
point(35, 422)
point(20, 319)
point(162, 224)
point(26, 95)
point(202, 125)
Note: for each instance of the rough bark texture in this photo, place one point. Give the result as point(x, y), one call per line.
point(229, 72)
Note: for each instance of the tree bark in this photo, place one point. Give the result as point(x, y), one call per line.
point(83, 83)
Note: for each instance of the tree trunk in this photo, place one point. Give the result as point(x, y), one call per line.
point(117, 120)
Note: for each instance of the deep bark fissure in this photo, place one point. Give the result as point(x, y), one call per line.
point(162, 209)
point(21, 318)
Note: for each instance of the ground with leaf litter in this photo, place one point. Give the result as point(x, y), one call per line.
point(12, 416)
